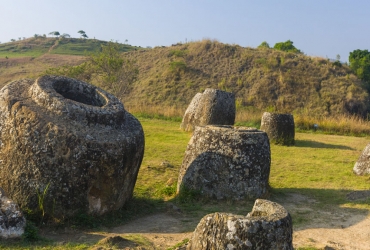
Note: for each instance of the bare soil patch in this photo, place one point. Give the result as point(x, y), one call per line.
point(333, 228)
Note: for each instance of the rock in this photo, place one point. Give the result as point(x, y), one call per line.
point(12, 221)
point(279, 128)
point(268, 226)
point(362, 166)
point(226, 162)
point(213, 107)
point(69, 141)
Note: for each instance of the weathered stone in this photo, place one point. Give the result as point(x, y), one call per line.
point(71, 137)
point(268, 226)
point(362, 166)
point(226, 162)
point(12, 221)
point(279, 128)
point(213, 107)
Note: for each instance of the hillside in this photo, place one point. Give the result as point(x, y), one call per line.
point(30, 57)
point(262, 79)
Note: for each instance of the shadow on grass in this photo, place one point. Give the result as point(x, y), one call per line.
point(322, 208)
point(75, 232)
point(315, 144)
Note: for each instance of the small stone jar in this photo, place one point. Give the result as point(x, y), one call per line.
point(362, 166)
point(279, 128)
point(226, 162)
point(69, 142)
point(268, 226)
point(212, 107)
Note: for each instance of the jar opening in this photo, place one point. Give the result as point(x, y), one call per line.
point(79, 93)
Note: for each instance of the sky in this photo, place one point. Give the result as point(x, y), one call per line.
point(324, 28)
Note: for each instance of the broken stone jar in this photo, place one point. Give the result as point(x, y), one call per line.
point(226, 162)
point(68, 142)
point(268, 226)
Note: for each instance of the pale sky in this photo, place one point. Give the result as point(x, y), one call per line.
point(322, 28)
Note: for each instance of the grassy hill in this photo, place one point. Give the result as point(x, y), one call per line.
point(262, 79)
point(30, 57)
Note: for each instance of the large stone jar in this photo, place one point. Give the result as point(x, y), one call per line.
point(268, 226)
point(212, 107)
point(226, 162)
point(280, 128)
point(362, 166)
point(70, 142)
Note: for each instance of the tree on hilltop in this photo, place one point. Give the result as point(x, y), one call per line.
point(82, 33)
point(65, 35)
point(264, 44)
point(286, 46)
point(54, 33)
point(359, 62)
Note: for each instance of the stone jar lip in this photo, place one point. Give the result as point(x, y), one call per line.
point(225, 128)
point(277, 114)
point(61, 95)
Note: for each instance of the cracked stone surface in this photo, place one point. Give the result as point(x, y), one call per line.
point(12, 221)
point(226, 162)
point(71, 138)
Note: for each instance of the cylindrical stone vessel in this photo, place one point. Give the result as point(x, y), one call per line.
point(268, 226)
point(212, 107)
point(279, 128)
point(226, 162)
point(69, 142)
point(362, 166)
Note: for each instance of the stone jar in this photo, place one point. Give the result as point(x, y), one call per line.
point(69, 141)
point(279, 128)
point(212, 107)
point(268, 226)
point(226, 162)
point(362, 166)
point(12, 221)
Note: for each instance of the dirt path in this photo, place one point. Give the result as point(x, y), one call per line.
point(335, 228)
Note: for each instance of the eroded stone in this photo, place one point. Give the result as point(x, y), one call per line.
point(280, 128)
point(212, 107)
point(226, 162)
point(362, 166)
point(12, 221)
point(268, 226)
point(71, 138)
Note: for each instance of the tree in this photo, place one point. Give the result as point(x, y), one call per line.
point(264, 44)
point(359, 62)
point(82, 33)
point(287, 46)
point(54, 33)
point(13, 40)
point(65, 35)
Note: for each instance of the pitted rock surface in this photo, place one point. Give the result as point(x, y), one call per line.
point(362, 166)
point(12, 221)
point(226, 162)
point(279, 128)
point(212, 107)
point(268, 226)
point(74, 138)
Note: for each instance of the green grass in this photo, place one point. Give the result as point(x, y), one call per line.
point(318, 167)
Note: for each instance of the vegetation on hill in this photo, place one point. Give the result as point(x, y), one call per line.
point(39, 45)
point(262, 79)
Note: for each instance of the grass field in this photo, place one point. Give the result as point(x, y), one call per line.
point(319, 167)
